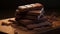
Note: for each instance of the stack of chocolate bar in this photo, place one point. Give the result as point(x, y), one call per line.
point(30, 15)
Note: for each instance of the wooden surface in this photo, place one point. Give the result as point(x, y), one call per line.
point(10, 30)
point(7, 29)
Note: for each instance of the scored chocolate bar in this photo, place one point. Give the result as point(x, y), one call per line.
point(31, 15)
point(29, 10)
point(25, 21)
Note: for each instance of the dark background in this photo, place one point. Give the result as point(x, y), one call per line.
point(7, 7)
point(11, 4)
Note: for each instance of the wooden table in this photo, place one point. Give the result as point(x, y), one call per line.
point(10, 30)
